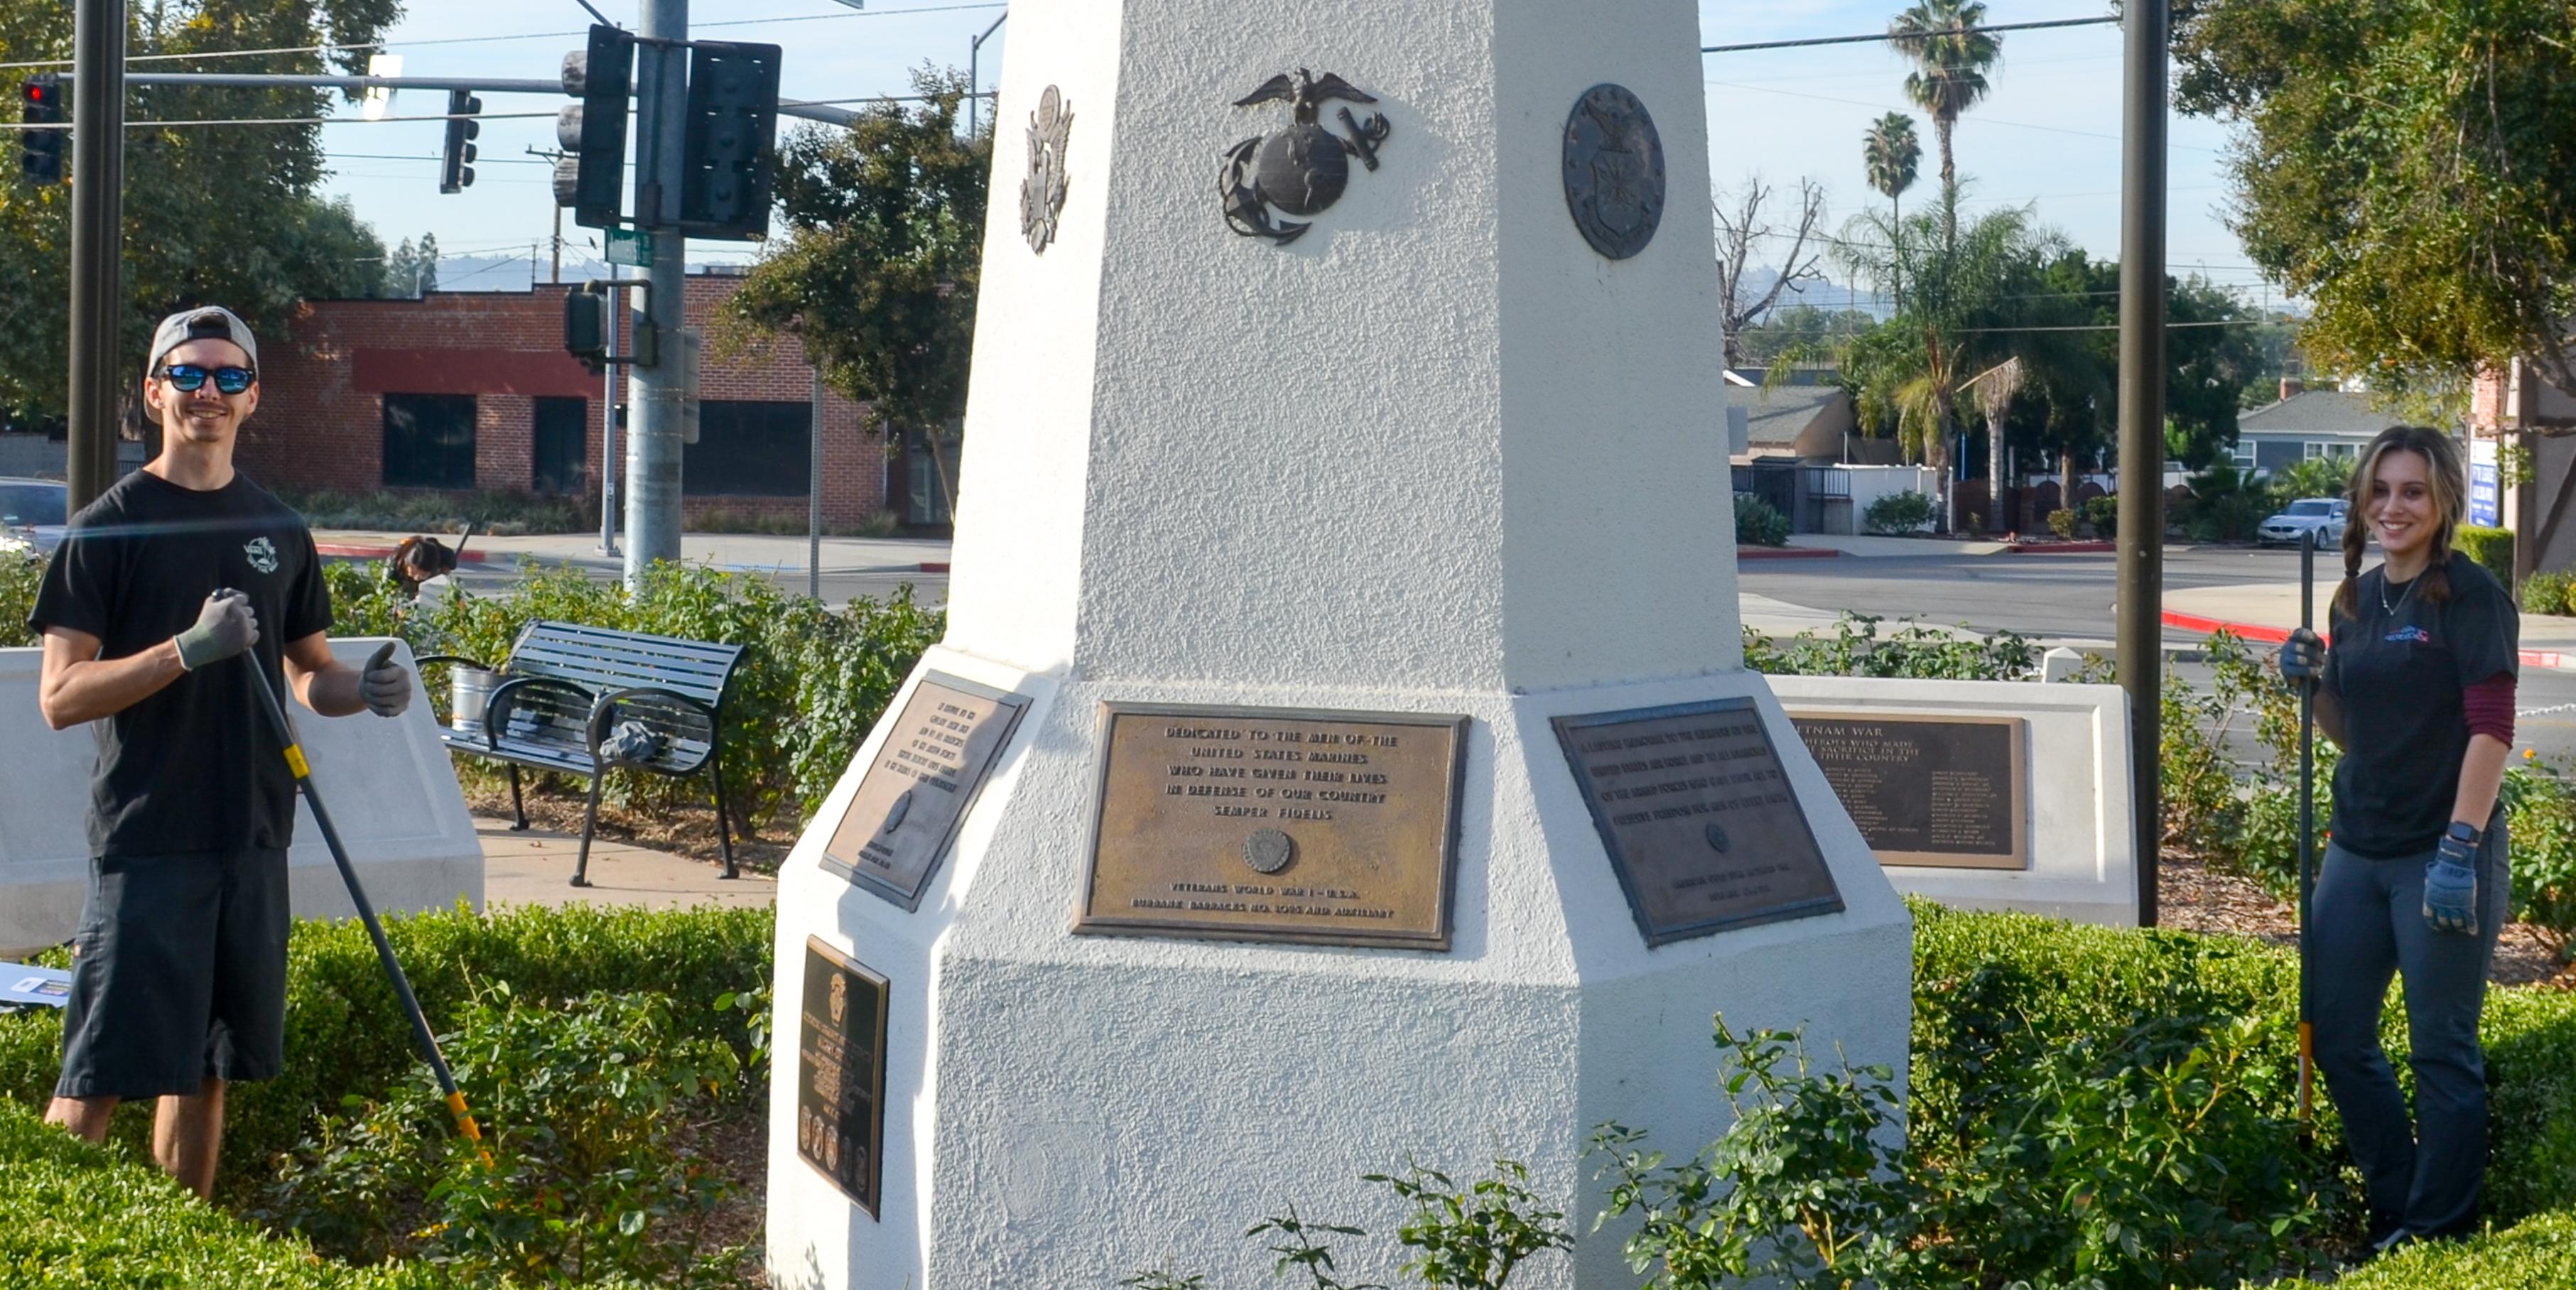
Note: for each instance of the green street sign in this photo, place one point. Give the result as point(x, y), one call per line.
point(632, 247)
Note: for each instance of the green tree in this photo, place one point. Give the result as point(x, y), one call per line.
point(877, 271)
point(224, 214)
point(1950, 59)
point(1892, 155)
point(412, 270)
point(2409, 166)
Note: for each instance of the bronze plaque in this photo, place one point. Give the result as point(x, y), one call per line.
point(913, 797)
point(1701, 824)
point(1942, 792)
point(840, 1075)
point(1276, 824)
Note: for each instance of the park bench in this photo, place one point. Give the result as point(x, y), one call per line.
point(565, 689)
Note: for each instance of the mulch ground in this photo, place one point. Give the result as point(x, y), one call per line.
point(2196, 898)
point(688, 831)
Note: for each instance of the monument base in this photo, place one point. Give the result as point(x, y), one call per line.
point(1062, 1109)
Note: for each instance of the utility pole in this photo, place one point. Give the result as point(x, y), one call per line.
point(2142, 427)
point(975, 76)
point(98, 246)
point(814, 495)
point(657, 392)
point(610, 464)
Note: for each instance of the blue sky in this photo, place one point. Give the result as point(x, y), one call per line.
point(2047, 137)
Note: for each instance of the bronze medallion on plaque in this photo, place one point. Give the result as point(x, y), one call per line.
point(915, 794)
point(1276, 824)
point(1935, 791)
point(840, 1073)
point(1701, 824)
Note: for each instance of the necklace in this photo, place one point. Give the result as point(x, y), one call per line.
point(2389, 609)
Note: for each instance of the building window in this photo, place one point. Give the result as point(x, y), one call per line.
point(2244, 454)
point(749, 449)
point(429, 441)
point(559, 433)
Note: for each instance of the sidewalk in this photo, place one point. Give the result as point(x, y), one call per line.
point(535, 868)
point(735, 551)
point(2266, 611)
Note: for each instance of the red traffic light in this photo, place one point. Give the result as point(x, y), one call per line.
point(35, 93)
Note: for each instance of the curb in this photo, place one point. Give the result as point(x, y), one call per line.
point(347, 552)
point(2548, 658)
point(1741, 553)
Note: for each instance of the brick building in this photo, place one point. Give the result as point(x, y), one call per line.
point(473, 391)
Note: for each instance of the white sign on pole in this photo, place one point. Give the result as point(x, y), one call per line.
point(380, 98)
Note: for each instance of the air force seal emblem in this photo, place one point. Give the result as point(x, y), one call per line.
point(1614, 171)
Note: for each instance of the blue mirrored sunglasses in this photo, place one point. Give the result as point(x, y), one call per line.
point(189, 376)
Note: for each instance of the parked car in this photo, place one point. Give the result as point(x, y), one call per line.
point(2326, 515)
point(32, 511)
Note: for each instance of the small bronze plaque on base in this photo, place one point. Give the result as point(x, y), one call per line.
point(1936, 791)
point(840, 1073)
point(914, 795)
point(1701, 824)
point(1276, 824)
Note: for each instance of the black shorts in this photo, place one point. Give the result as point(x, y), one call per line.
point(181, 975)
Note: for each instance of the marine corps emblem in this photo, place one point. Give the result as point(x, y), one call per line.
point(1614, 171)
point(1300, 170)
point(1042, 192)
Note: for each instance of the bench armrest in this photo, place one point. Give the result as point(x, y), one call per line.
point(425, 660)
point(496, 711)
point(605, 711)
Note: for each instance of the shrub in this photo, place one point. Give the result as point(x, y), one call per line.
point(2311, 477)
point(2492, 548)
point(2546, 592)
point(1857, 649)
point(1903, 512)
point(1759, 523)
point(2062, 522)
point(496, 512)
point(2103, 513)
point(20, 572)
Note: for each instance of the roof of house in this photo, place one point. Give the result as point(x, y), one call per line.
point(2315, 412)
point(1779, 414)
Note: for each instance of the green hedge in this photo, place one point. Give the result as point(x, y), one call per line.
point(2490, 547)
point(346, 1036)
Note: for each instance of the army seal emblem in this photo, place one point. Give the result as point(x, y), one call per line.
point(1614, 171)
point(1042, 192)
point(1303, 169)
point(1269, 850)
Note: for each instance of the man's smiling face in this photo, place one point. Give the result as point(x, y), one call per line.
point(205, 415)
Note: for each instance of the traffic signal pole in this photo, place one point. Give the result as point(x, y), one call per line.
point(656, 393)
point(98, 245)
point(2142, 430)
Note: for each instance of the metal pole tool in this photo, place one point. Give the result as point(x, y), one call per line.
point(2307, 825)
point(303, 772)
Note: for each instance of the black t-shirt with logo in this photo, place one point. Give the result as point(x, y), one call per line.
point(2400, 670)
point(194, 767)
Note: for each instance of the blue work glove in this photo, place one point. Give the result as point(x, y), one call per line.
point(2302, 657)
point(2451, 887)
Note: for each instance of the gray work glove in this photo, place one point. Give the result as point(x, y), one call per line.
point(385, 686)
point(225, 627)
point(2303, 658)
point(2451, 887)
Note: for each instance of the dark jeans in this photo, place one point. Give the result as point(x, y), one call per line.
point(2369, 925)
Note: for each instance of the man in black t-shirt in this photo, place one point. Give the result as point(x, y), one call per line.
point(163, 593)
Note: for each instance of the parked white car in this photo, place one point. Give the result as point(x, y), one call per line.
point(31, 511)
point(2326, 515)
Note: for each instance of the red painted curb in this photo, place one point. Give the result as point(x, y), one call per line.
point(374, 552)
point(2274, 635)
point(1785, 553)
point(2061, 548)
point(934, 566)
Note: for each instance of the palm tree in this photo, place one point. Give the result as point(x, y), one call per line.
point(1950, 62)
point(1892, 155)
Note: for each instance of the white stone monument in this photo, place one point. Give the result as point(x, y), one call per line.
point(1412, 485)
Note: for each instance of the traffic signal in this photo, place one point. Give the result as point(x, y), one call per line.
point(591, 177)
point(456, 165)
point(728, 162)
point(586, 325)
point(40, 157)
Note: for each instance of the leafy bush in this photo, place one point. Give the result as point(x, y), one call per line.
point(586, 1185)
point(494, 512)
point(2492, 548)
point(1857, 649)
point(2546, 592)
point(2311, 477)
point(1759, 523)
point(2062, 522)
point(2103, 513)
point(20, 572)
point(1903, 512)
point(812, 681)
point(2223, 504)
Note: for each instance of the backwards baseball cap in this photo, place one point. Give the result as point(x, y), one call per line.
point(207, 322)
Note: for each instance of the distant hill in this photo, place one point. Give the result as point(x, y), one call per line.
point(1828, 295)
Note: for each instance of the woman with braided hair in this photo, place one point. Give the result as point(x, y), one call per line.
point(2417, 690)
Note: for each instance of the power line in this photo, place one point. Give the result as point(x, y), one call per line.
point(1877, 37)
point(1981, 120)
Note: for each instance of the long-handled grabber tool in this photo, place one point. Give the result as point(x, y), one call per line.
point(303, 773)
point(2307, 825)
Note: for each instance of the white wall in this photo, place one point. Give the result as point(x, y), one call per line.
point(389, 785)
point(1869, 483)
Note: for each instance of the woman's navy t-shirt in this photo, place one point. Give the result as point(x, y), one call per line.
point(2400, 672)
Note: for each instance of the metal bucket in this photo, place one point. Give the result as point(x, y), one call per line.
point(469, 697)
